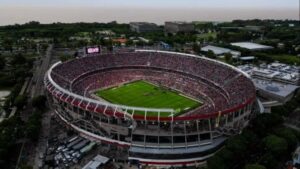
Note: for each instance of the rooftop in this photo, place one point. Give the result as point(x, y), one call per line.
point(251, 46)
point(246, 58)
point(179, 22)
point(282, 90)
point(96, 162)
point(274, 71)
point(218, 50)
point(142, 23)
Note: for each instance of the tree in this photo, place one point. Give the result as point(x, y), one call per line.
point(196, 48)
point(39, 102)
point(280, 110)
point(76, 54)
point(216, 162)
point(228, 57)
point(18, 59)
point(227, 156)
point(288, 135)
point(268, 160)
point(210, 54)
point(2, 62)
point(65, 58)
point(237, 145)
point(254, 166)
point(33, 126)
point(276, 145)
point(11, 131)
point(265, 123)
point(20, 101)
point(7, 44)
point(25, 166)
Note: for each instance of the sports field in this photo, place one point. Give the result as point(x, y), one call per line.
point(144, 94)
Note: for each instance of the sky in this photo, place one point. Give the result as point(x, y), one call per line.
point(158, 11)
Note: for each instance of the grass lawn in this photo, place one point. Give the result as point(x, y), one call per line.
point(144, 94)
point(206, 36)
point(289, 59)
point(283, 58)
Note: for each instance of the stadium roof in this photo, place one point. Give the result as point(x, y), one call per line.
point(251, 46)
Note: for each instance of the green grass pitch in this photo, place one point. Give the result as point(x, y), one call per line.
point(144, 94)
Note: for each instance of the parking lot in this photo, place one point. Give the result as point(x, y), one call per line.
point(66, 149)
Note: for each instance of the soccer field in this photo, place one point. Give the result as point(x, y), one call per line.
point(143, 94)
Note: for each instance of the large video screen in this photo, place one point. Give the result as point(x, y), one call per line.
point(92, 50)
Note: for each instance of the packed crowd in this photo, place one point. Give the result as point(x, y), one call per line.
point(76, 68)
point(218, 86)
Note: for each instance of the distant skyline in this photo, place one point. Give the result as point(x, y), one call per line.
point(158, 11)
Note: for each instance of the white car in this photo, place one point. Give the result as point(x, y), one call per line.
point(75, 154)
point(40, 164)
point(41, 156)
point(75, 161)
point(60, 148)
point(67, 156)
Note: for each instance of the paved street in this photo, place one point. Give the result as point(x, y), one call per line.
point(37, 87)
point(43, 139)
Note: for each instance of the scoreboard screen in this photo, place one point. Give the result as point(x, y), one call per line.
point(92, 50)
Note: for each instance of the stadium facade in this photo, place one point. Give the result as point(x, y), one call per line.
point(153, 136)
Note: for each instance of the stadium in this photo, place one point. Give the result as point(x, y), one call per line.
point(162, 108)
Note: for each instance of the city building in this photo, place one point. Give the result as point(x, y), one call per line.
point(247, 58)
point(254, 28)
point(142, 27)
point(105, 32)
point(121, 41)
point(286, 74)
point(179, 27)
point(270, 90)
point(275, 81)
point(144, 40)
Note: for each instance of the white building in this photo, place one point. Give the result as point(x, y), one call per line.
point(176, 27)
point(219, 51)
point(275, 81)
point(251, 46)
point(141, 27)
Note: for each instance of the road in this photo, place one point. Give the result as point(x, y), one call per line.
point(35, 88)
point(43, 139)
point(38, 89)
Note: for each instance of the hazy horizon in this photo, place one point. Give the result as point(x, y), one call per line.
point(157, 11)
